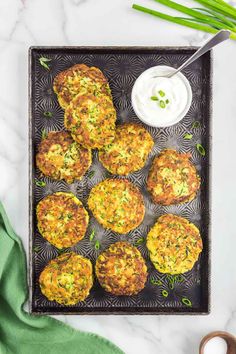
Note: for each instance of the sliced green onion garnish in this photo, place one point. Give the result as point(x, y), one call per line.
point(97, 245)
point(165, 293)
point(201, 149)
point(60, 250)
point(44, 134)
point(179, 278)
point(161, 93)
point(162, 104)
point(91, 174)
point(40, 183)
point(188, 136)
point(91, 236)
point(43, 61)
point(155, 282)
point(140, 241)
point(196, 124)
point(154, 98)
point(171, 280)
point(186, 302)
point(167, 101)
point(47, 114)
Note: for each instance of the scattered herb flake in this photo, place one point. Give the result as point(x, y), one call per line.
point(154, 98)
point(47, 114)
point(97, 245)
point(140, 241)
point(36, 248)
point(167, 101)
point(44, 134)
point(165, 293)
point(186, 302)
point(40, 183)
point(161, 93)
point(91, 236)
point(43, 61)
point(162, 104)
point(201, 149)
point(196, 124)
point(188, 136)
point(91, 174)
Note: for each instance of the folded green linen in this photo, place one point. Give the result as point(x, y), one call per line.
point(22, 333)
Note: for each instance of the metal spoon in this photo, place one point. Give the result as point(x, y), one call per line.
point(220, 36)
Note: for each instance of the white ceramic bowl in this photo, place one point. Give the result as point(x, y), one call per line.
point(161, 71)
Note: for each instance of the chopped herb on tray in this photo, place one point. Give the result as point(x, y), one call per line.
point(44, 134)
point(196, 124)
point(43, 61)
point(188, 136)
point(91, 174)
point(140, 241)
point(92, 235)
point(47, 114)
point(97, 245)
point(40, 183)
point(186, 302)
point(201, 149)
point(165, 293)
point(155, 282)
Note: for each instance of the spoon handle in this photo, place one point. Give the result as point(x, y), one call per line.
point(220, 36)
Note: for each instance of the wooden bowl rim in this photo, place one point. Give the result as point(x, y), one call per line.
point(229, 339)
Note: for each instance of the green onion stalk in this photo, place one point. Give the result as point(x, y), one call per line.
point(215, 15)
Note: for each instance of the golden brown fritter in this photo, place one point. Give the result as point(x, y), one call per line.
point(129, 150)
point(121, 269)
point(62, 219)
point(67, 279)
point(79, 80)
point(172, 178)
point(60, 157)
point(174, 244)
point(91, 120)
point(117, 204)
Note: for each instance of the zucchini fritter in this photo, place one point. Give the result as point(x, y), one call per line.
point(172, 178)
point(79, 80)
point(60, 157)
point(174, 244)
point(62, 219)
point(91, 120)
point(129, 150)
point(121, 269)
point(67, 279)
point(117, 204)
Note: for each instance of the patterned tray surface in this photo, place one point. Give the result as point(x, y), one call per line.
point(122, 67)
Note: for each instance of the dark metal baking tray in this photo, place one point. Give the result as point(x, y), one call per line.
point(122, 65)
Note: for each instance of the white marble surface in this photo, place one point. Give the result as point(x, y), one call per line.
point(100, 22)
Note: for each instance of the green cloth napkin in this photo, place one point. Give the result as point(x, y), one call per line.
point(22, 333)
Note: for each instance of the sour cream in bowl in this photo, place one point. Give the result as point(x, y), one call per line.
point(161, 101)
